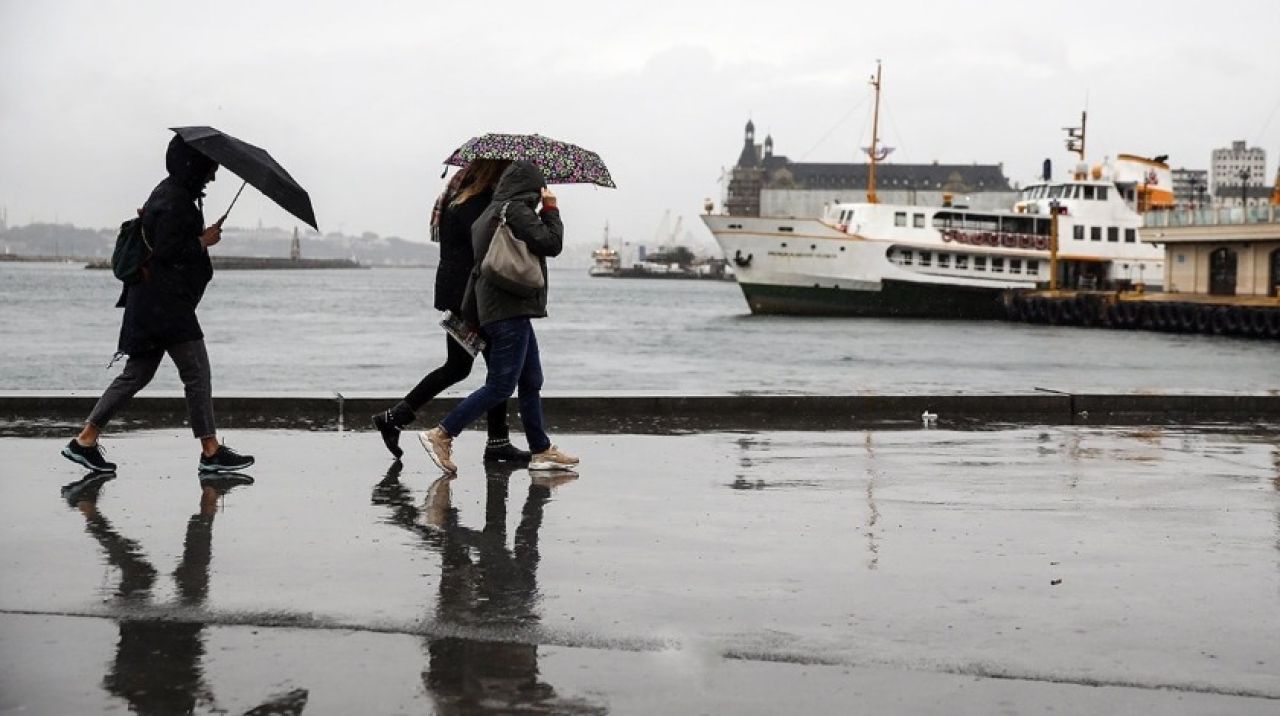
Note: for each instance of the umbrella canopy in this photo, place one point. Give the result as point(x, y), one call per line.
point(253, 165)
point(560, 162)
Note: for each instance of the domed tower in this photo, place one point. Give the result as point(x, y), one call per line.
point(768, 146)
point(750, 156)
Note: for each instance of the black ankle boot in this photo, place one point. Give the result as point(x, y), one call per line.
point(389, 423)
point(501, 450)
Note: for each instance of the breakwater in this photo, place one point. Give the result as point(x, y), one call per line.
point(257, 263)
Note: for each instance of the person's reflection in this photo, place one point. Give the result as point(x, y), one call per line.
point(157, 667)
point(484, 584)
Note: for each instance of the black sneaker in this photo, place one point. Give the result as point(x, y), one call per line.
point(90, 457)
point(86, 489)
point(390, 432)
point(225, 460)
point(506, 453)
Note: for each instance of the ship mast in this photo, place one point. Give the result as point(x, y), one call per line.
point(875, 130)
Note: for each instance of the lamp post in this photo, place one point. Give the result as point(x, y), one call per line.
point(1244, 175)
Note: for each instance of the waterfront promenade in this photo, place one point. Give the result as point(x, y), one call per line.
point(1016, 568)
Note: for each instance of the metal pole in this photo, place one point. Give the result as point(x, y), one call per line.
point(1053, 245)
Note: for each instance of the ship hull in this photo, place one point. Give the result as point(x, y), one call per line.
point(895, 299)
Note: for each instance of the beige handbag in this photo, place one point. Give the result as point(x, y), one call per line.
point(509, 264)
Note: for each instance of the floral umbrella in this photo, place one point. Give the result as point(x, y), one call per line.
point(560, 162)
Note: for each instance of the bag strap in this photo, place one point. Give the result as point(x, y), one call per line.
point(502, 215)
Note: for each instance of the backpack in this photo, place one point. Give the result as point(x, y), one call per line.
point(131, 253)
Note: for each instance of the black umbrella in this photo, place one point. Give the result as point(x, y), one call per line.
point(254, 166)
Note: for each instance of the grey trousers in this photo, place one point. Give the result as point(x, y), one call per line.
point(193, 367)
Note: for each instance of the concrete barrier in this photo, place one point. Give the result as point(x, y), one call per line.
point(23, 413)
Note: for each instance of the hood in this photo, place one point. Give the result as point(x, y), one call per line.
point(522, 181)
point(186, 166)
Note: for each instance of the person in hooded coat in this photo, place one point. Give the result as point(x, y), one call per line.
point(505, 320)
point(466, 197)
point(160, 313)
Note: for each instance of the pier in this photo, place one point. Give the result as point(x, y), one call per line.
point(1222, 277)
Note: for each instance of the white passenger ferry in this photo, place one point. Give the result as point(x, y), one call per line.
point(873, 259)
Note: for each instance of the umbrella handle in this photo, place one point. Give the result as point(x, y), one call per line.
point(234, 199)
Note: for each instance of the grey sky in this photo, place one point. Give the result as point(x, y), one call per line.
point(362, 101)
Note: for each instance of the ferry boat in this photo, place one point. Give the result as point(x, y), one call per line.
point(605, 261)
point(873, 259)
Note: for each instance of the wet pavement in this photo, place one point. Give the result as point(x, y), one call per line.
point(1061, 569)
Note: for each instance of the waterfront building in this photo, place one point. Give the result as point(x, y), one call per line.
point(1219, 252)
point(1230, 164)
point(766, 184)
point(1191, 188)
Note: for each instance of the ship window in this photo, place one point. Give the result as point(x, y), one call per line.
point(1102, 193)
point(944, 260)
point(979, 263)
point(997, 264)
point(906, 258)
point(1055, 192)
point(1088, 193)
point(918, 220)
point(962, 262)
point(1015, 265)
point(1033, 266)
point(1095, 233)
point(900, 218)
point(786, 228)
point(926, 258)
point(1077, 233)
point(1130, 235)
point(1113, 233)
point(1042, 227)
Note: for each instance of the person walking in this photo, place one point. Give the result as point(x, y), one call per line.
point(505, 321)
point(468, 194)
point(160, 314)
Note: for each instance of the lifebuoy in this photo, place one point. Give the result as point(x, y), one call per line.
point(1042, 243)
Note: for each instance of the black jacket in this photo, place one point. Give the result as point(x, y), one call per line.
point(161, 310)
point(456, 257)
point(519, 187)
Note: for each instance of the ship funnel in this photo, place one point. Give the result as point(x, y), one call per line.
point(1046, 171)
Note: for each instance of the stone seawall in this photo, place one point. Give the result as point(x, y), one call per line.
point(34, 412)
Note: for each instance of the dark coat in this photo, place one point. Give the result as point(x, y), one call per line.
point(161, 310)
point(520, 188)
point(456, 256)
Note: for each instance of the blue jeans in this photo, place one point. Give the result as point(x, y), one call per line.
point(512, 356)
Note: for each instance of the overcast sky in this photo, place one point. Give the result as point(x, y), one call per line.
point(362, 101)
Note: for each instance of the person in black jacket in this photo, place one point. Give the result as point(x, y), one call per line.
point(458, 207)
point(160, 313)
point(504, 319)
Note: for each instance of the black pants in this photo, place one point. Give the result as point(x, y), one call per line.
point(457, 366)
point(193, 367)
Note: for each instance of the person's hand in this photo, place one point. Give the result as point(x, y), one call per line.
point(548, 199)
point(211, 236)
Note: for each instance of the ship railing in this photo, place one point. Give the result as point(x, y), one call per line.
point(1212, 216)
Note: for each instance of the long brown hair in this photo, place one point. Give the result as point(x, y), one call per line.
point(482, 175)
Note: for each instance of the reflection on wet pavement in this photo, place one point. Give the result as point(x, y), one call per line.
point(157, 666)
point(941, 571)
point(483, 582)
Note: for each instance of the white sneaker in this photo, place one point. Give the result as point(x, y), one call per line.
point(553, 458)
